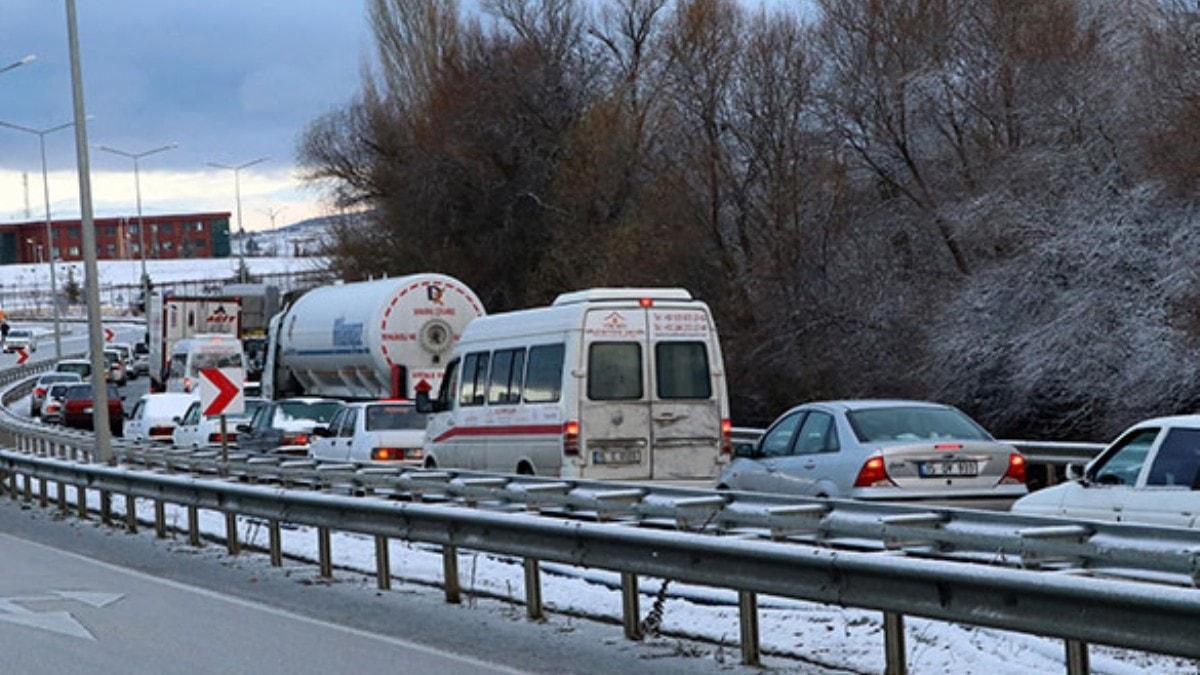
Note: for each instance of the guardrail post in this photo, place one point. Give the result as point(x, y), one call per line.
point(748, 627)
point(193, 515)
point(130, 514)
point(105, 507)
point(630, 612)
point(893, 644)
point(43, 488)
point(61, 493)
point(1077, 657)
point(275, 543)
point(324, 553)
point(231, 534)
point(533, 589)
point(28, 495)
point(160, 519)
point(450, 574)
point(12, 485)
point(383, 563)
point(81, 501)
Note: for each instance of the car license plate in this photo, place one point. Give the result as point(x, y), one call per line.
point(949, 469)
point(616, 457)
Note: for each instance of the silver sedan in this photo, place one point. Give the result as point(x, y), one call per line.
point(878, 450)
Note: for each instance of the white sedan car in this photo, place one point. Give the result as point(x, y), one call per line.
point(153, 417)
point(1150, 475)
point(195, 431)
point(383, 432)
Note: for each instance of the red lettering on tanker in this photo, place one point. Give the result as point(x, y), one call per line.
point(400, 337)
point(434, 311)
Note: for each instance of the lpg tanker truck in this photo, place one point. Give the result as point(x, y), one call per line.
point(368, 340)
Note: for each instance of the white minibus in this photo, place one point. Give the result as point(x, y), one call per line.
point(606, 383)
point(189, 355)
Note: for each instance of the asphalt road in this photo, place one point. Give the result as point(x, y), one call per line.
point(76, 596)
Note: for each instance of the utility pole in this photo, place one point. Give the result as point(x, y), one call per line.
point(237, 191)
point(41, 134)
point(104, 451)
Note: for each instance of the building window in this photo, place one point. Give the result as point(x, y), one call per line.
point(111, 249)
point(73, 250)
point(73, 232)
point(167, 246)
point(133, 228)
point(55, 252)
point(165, 228)
point(111, 230)
point(199, 226)
point(136, 249)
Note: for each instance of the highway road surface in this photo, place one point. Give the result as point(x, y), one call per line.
point(79, 597)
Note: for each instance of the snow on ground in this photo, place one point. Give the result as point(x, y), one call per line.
point(826, 638)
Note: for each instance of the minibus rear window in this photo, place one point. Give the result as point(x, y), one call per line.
point(615, 371)
point(682, 370)
point(543, 377)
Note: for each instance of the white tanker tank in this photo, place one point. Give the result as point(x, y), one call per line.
point(368, 340)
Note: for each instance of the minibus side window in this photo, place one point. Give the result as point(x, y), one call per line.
point(474, 379)
point(508, 369)
point(543, 374)
point(446, 393)
point(682, 370)
point(614, 371)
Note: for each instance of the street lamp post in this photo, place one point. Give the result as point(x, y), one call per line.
point(41, 134)
point(100, 424)
point(137, 186)
point(16, 64)
point(237, 191)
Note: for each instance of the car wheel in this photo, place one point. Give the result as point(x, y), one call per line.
point(524, 469)
point(431, 463)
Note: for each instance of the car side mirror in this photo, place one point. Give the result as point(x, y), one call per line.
point(746, 450)
point(322, 431)
point(243, 428)
point(177, 419)
point(424, 403)
point(1074, 472)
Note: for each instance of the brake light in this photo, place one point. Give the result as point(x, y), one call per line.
point(53, 407)
point(726, 437)
point(948, 446)
point(39, 391)
point(571, 438)
point(187, 384)
point(387, 454)
point(216, 438)
point(160, 431)
point(873, 474)
point(646, 303)
point(295, 439)
point(1015, 475)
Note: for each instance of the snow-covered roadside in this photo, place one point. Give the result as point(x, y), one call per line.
point(832, 637)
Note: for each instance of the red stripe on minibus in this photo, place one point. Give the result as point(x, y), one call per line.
point(502, 430)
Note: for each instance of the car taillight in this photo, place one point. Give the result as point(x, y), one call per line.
point(216, 438)
point(160, 431)
point(414, 453)
point(53, 407)
point(387, 454)
point(39, 391)
point(726, 437)
point(295, 439)
point(187, 384)
point(873, 474)
point(1015, 475)
point(571, 438)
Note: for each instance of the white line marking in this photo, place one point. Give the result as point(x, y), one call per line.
point(250, 604)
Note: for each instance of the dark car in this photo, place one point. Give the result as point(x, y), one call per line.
point(285, 427)
point(77, 408)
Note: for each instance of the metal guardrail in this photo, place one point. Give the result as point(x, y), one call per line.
point(1076, 580)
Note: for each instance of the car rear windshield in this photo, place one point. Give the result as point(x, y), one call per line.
point(59, 377)
point(388, 417)
point(80, 369)
point(914, 424)
point(320, 412)
point(85, 391)
point(18, 333)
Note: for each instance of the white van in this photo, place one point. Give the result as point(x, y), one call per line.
point(189, 355)
point(609, 383)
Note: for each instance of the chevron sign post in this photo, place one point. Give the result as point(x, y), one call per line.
point(220, 395)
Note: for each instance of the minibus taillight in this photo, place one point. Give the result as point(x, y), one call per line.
point(571, 438)
point(646, 303)
point(726, 437)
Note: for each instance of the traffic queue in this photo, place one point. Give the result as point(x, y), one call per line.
point(608, 383)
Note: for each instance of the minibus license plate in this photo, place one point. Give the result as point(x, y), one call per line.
point(938, 469)
point(616, 457)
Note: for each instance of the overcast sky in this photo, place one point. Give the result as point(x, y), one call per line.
point(229, 80)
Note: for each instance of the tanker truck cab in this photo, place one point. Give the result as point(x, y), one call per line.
point(620, 384)
point(190, 355)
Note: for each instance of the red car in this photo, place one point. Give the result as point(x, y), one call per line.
point(77, 408)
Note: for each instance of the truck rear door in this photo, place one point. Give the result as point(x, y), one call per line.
point(685, 410)
point(614, 408)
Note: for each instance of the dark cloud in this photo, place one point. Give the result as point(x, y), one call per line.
point(227, 79)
